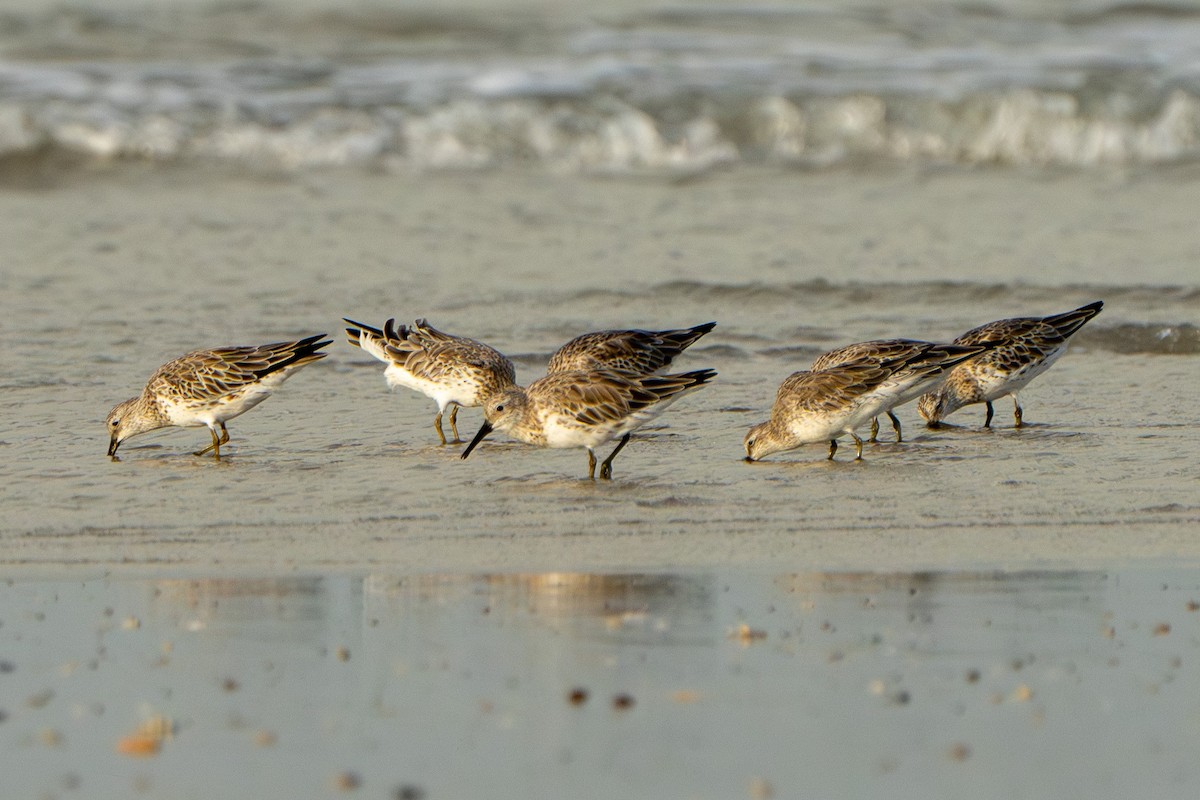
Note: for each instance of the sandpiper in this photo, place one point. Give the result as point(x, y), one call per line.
point(209, 388)
point(877, 351)
point(816, 406)
point(584, 409)
point(453, 370)
point(1025, 347)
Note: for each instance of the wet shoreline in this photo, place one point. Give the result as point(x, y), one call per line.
point(335, 472)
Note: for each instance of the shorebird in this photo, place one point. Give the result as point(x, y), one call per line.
point(877, 351)
point(584, 409)
point(209, 388)
point(452, 370)
point(1025, 347)
point(816, 406)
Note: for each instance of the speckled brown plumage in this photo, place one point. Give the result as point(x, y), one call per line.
point(453, 370)
point(210, 387)
point(585, 409)
point(1025, 347)
point(636, 352)
point(821, 405)
point(875, 351)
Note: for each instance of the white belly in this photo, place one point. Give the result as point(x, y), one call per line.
point(194, 413)
point(994, 384)
point(811, 428)
point(461, 392)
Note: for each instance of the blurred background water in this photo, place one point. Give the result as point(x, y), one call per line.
point(613, 88)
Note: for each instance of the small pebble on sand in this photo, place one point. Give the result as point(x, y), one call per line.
point(745, 635)
point(959, 751)
point(761, 789)
point(346, 781)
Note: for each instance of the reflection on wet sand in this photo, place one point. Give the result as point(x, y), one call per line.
point(710, 684)
point(582, 603)
point(614, 599)
point(917, 583)
point(239, 599)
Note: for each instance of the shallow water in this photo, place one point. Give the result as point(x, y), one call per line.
point(696, 684)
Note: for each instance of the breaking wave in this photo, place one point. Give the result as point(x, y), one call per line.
point(611, 135)
point(673, 90)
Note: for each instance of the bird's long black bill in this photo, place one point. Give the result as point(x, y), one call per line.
point(113, 444)
point(484, 430)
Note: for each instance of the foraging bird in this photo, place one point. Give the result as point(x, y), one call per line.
point(584, 409)
point(877, 351)
point(453, 370)
point(1025, 347)
point(209, 388)
point(816, 406)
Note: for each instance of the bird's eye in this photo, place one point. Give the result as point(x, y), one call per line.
point(115, 422)
point(750, 443)
point(500, 407)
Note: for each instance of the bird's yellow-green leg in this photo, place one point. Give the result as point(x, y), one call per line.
point(606, 467)
point(1017, 412)
point(437, 426)
point(874, 430)
point(896, 426)
point(216, 442)
point(832, 448)
point(591, 465)
point(859, 442)
point(224, 438)
point(454, 423)
point(987, 423)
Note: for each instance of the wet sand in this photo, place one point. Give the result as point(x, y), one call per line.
point(714, 684)
point(110, 274)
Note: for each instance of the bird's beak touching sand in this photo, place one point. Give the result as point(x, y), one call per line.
point(484, 430)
